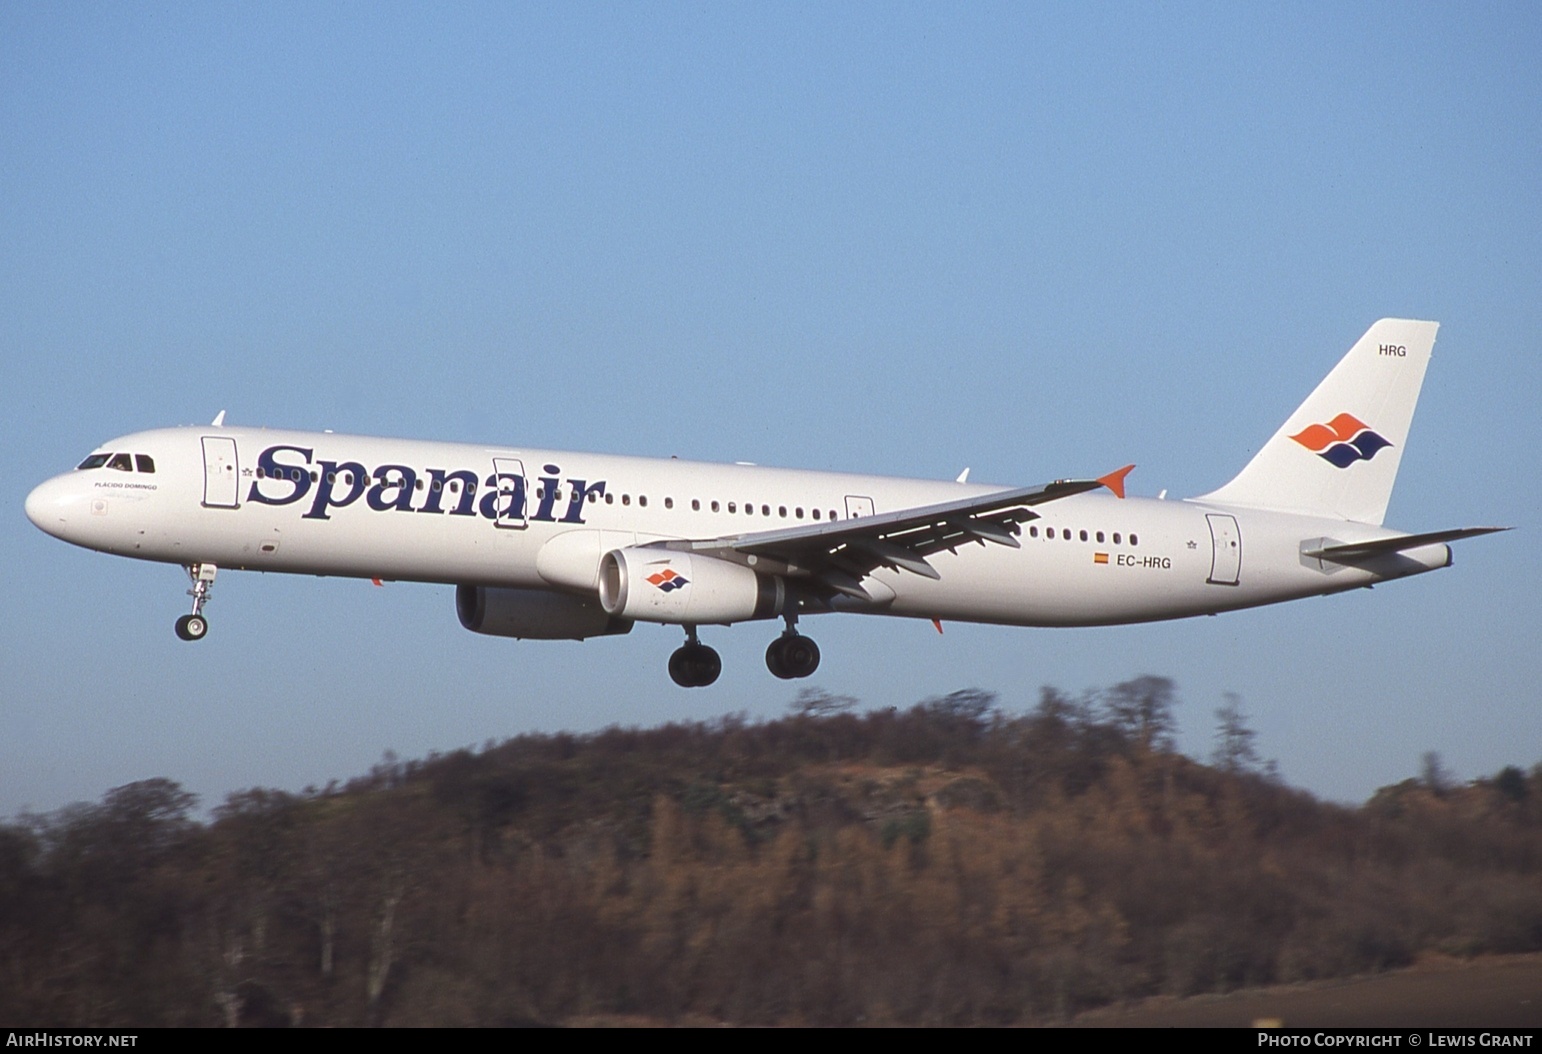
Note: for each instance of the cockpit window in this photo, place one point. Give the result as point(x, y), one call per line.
point(94, 461)
point(121, 462)
point(144, 462)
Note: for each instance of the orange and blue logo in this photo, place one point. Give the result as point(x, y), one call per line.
point(668, 581)
point(1342, 441)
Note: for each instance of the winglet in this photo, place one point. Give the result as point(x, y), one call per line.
point(219, 420)
point(1114, 481)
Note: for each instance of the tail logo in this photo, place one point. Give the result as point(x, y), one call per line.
point(1342, 441)
point(668, 580)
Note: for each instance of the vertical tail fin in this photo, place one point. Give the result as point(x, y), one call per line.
point(1338, 454)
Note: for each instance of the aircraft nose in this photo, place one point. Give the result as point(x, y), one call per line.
point(48, 506)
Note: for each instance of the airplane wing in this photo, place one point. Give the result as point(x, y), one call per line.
point(837, 555)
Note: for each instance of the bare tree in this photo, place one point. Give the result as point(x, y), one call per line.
point(1234, 750)
point(1142, 709)
point(1433, 774)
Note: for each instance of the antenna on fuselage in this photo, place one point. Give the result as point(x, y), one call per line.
point(219, 420)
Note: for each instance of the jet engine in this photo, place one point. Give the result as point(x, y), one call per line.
point(534, 614)
point(661, 585)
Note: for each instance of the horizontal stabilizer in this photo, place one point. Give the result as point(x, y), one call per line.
point(1401, 543)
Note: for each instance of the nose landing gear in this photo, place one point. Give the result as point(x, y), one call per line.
point(194, 626)
point(694, 665)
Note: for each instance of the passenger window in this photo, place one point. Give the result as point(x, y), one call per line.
point(1033, 532)
point(642, 499)
point(1134, 540)
point(733, 507)
point(1100, 537)
point(669, 503)
point(714, 507)
point(626, 499)
point(94, 461)
point(1049, 532)
point(1116, 537)
point(144, 462)
point(610, 499)
point(765, 510)
point(816, 514)
point(121, 462)
point(798, 512)
point(695, 504)
point(1084, 536)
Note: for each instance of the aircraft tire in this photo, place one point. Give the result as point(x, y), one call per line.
point(694, 666)
point(774, 661)
point(192, 627)
point(798, 655)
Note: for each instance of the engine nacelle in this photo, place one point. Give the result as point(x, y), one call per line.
point(534, 614)
point(660, 585)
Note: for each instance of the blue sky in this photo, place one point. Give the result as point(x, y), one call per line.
point(1037, 240)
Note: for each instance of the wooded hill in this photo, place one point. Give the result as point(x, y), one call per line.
point(945, 864)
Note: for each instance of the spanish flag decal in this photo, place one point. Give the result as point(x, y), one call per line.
point(1100, 558)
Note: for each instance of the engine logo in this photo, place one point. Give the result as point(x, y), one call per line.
point(668, 580)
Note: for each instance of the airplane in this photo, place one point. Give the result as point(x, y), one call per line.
point(548, 545)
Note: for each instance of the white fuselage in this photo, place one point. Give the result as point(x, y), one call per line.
point(326, 504)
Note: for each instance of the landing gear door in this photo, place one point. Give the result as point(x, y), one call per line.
point(221, 478)
point(1226, 549)
point(509, 477)
point(857, 506)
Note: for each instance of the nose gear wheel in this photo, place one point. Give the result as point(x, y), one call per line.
point(194, 626)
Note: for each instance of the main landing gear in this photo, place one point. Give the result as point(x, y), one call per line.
point(195, 626)
point(790, 656)
point(694, 665)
